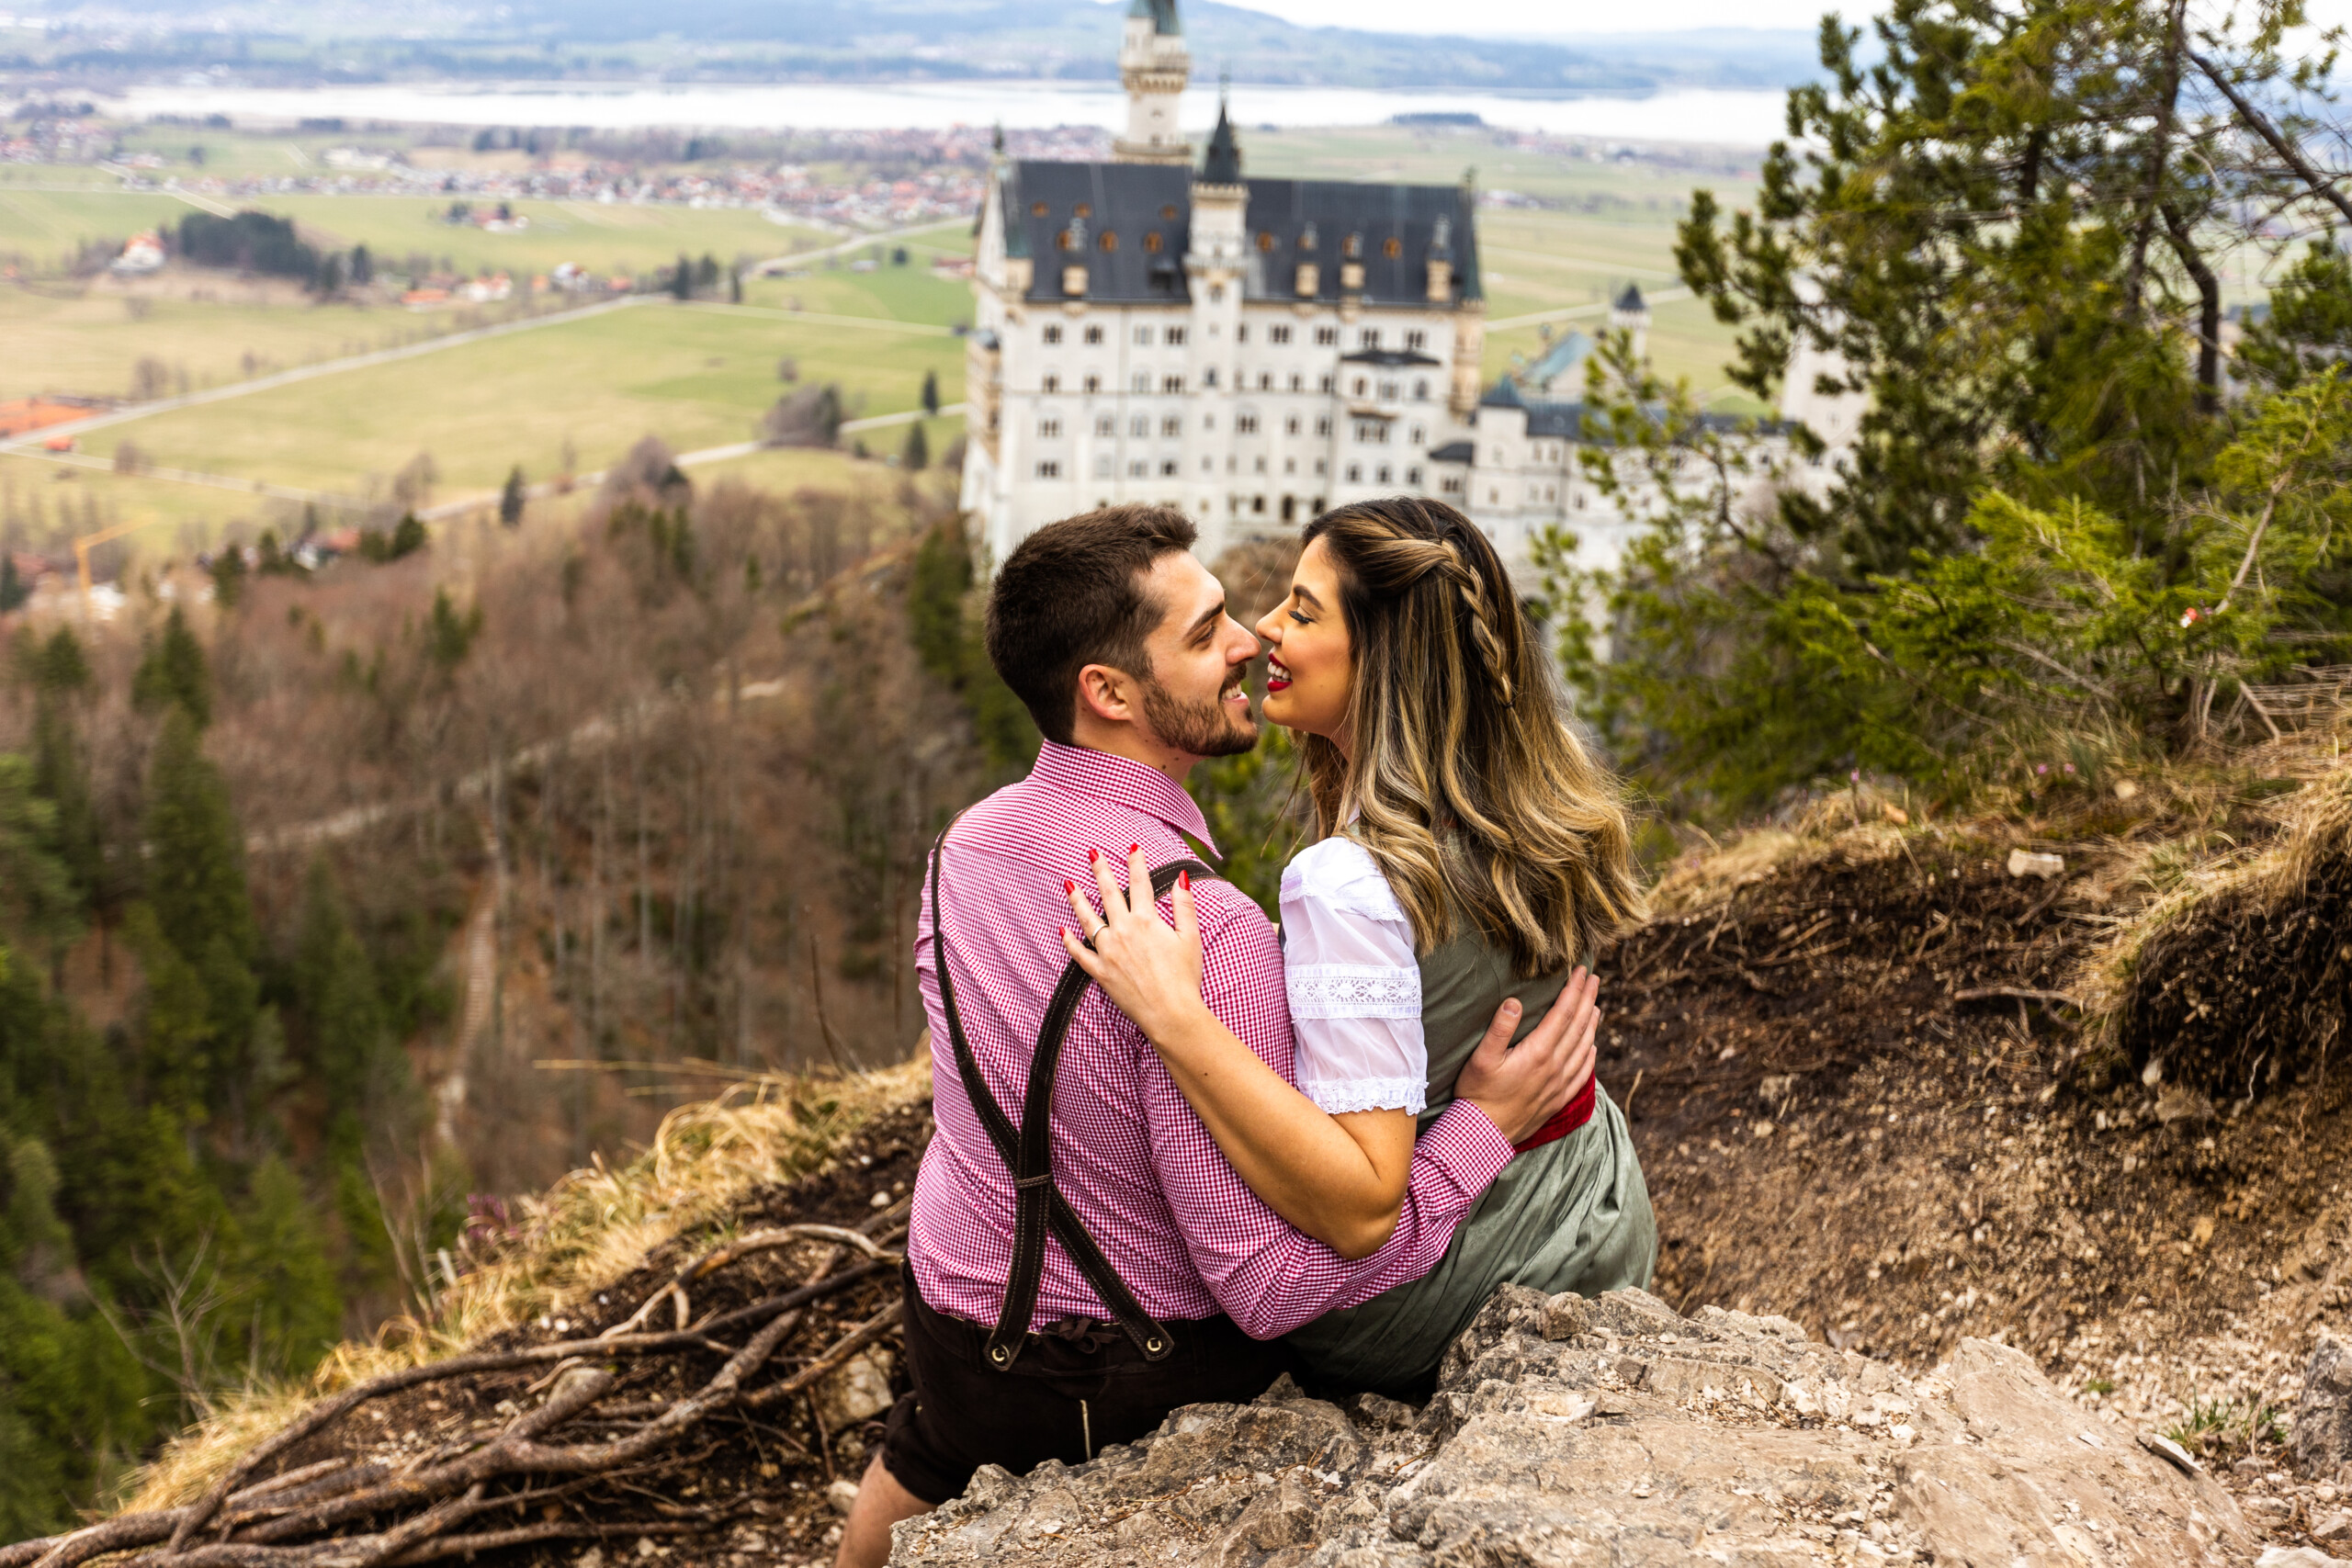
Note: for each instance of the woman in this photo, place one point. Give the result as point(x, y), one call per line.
point(1471, 852)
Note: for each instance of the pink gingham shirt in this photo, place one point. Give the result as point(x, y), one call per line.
point(1130, 1156)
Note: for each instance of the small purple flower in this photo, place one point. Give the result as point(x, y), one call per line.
point(2041, 767)
point(1854, 777)
point(2070, 767)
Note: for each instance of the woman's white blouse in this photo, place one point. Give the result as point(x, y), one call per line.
point(1355, 990)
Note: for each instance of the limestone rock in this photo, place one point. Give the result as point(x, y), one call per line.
point(2321, 1432)
point(1620, 1433)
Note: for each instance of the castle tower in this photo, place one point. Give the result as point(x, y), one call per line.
point(1214, 269)
point(1631, 313)
point(1153, 65)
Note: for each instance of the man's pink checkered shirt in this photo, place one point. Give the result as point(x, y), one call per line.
point(1136, 1165)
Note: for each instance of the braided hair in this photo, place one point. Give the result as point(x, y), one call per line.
point(1463, 778)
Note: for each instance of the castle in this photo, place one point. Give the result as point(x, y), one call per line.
point(1252, 351)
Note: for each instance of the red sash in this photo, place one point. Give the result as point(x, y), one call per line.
point(1566, 1119)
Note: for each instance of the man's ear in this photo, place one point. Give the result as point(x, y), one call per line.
point(1108, 694)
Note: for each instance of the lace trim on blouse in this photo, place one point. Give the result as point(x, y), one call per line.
point(1353, 990)
point(1410, 1095)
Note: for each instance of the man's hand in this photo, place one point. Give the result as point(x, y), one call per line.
point(1521, 1087)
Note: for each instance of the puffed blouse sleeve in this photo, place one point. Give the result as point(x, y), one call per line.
point(1355, 988)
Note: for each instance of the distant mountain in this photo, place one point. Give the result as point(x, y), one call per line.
point(893, 41)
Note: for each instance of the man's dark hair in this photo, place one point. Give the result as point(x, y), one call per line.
point(1072, 594)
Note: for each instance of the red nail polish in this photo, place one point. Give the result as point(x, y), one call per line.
point(1094, 854)
point(1069, 886)
point(1133, 848)
point(1185, 880)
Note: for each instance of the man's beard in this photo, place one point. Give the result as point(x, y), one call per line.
point(1203, 729)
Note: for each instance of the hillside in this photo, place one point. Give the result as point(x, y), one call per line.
point(1882, 1087)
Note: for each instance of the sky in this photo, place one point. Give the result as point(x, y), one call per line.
point(1529, 19)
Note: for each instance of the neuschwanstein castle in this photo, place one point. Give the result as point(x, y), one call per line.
point(1253, 351)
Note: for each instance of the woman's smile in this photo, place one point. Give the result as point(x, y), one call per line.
point(1277, 674)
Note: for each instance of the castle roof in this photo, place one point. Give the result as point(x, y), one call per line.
point(1162, 14)
point(1631, 298)
point(1391, 230)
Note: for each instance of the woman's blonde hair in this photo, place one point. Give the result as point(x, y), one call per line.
point(1469, 789)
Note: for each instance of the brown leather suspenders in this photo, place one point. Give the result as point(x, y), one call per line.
point(1027, 1152)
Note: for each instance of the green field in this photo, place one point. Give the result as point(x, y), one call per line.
point(694, 376)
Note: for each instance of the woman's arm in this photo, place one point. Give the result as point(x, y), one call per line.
point(1338, 1178)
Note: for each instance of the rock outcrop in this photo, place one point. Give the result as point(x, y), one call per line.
point(1613, 1431)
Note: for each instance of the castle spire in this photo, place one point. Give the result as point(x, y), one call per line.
point(1221, 164)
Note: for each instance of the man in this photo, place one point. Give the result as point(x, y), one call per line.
point(1118, 642)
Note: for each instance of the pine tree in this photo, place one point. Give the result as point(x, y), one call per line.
point(13, 589)
point(931, 392)
point(295, 1312)
point(681, 280)
point(510, 498)
point(173, 673)
point(916, 456)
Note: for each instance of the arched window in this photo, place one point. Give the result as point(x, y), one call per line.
point(1391, 246)
point(1036, 209)
point(1265, 239)
point(1110, 240)
point(1151, 241)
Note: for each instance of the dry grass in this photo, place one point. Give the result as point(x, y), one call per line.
point(588, 1230)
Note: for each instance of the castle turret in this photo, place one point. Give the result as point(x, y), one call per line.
point(1631, 313)
point(1153, 65)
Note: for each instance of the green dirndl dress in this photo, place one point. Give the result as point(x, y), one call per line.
point(1573, 1215)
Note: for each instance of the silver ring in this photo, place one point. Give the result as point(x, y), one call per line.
point(1086, 938)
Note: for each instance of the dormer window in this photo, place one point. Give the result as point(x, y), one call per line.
point(1306, 238)
point(1265, 240)
point(1110, 240)
point(1391, 246)
point(1168, 215)
point(1151, 241)
point(1036, 209)
point(1083, 210)
point(1352, 247)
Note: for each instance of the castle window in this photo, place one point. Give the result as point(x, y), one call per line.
point(1421, 390)
point(1265, 380)
point(1208, 422)
point(1142, 425)
point(1388, 391)
point(1110, 240)
point(1094, 334)
point(1355, 473)
point(1278, 334)
point(1241, 332)
point(1168, 214)
point(1244, 424)
point(1413, 478)
point(1105, 426)
point(1290, 425)
point(1047, 429)
point(1258, 504)
point(1151, 241)
point(1417, 437)
point(1142, 382)
point(1062, 239)
point(1322, 427)
point(1369, 338)
point(1172, 425)
point(1451, 486)
point(1175, 337)
point(1036, 209)
point(1391, 246)
point(1053, 334)
point(1103, 465)
point(1053, 383)
point(1382, 476)
point(1325, 384)
point(1549, 493)
point(1168, 467)
point(1083, 210)
point(1138, 468)
point(1580, 501)
point(1325, 337)
point(1265, 239)
point(1094, 383)
point(1352, 247)
point(1298, 381)
point(1208, 377)
point(1143, 336)
point(1171, 383)
point(1049, 469)
point(1357, 387)
point(1417, 340)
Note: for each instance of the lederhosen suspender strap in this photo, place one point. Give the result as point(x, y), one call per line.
point(1037, 1205)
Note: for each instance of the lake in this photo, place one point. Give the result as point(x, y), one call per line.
point(1734, 117)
